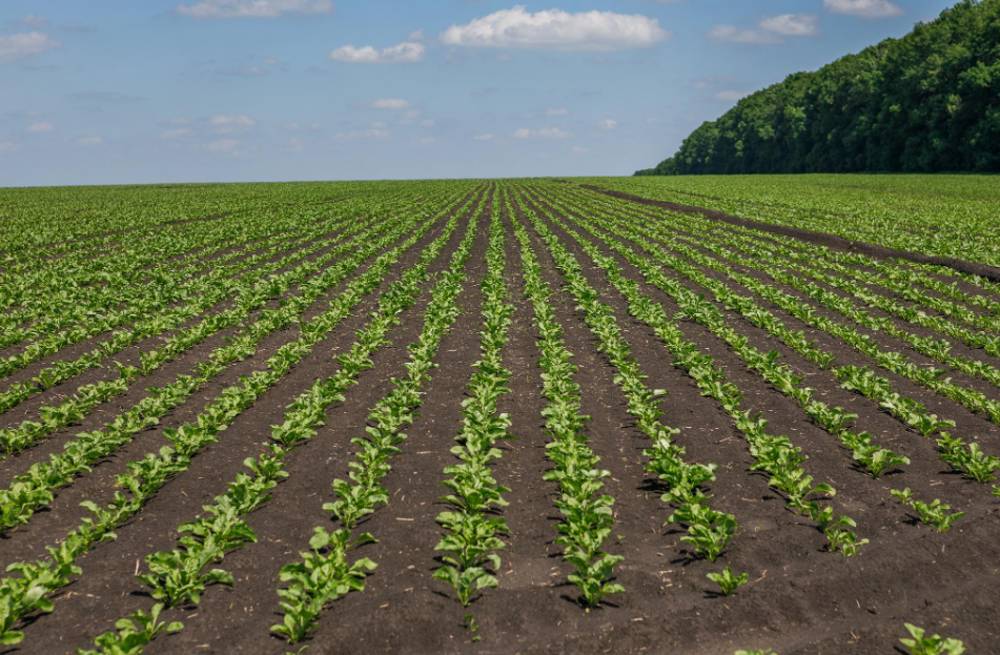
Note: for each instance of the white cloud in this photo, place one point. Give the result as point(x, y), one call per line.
point(92, 140)
point(427, 122)
point(768, 30)
point(790, 25)
point(25, 44)
point(579, 150)
point(7, 146)
point(729, 95)
point(40, 126)
point(541, 133)
point(483, 137)
point(390, 103)
point(416, 35)
point(407, 52)
point(556, 111)
point(608, 124)
point(177, 133)
point(254, 8)
point(864, 8)
point(227, 123)
point(557, 29)
point(426, 140)
point(223, 145)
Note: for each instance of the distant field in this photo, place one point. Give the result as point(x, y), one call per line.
point(513, 416)
point(947, 215)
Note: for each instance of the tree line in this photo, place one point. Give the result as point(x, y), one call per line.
point(926, 102)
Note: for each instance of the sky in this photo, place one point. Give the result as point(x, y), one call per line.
point(129, 91)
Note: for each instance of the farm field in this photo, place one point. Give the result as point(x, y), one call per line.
point(511, 416)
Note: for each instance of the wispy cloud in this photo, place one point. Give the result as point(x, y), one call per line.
point(608, 124)
point(226, 123)
point(541, 133)
point(407, 52)
point(25, 44)
point(769, 30)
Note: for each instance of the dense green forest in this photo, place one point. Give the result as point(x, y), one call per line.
point(927, 102)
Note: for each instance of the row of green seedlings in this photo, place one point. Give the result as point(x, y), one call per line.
point(125, 254)
point(709, 531)
point(143, 303)
point(472, 529)
point(92, 272)
point(874, 459)
point(937, 349)
point(326, 572)
point(99, 277)
point(34, 489)
point(173, 316)
point(25, 594)
point(179, 577)
point(931, 378)
point(906, 275)
point(978, 281)
point(213, 290)
point(835, 420)
point(108, 304)
point(773, 454)
point(752, 243)
point(903, 282)
point(248, 296)
point(847, 278)
point(100, 310)
point(587, 514)
point(966, 458)
point(65, 308)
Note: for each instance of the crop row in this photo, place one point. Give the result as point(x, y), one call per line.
point(26, 593)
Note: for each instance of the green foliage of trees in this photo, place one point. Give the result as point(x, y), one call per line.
point(927, 102)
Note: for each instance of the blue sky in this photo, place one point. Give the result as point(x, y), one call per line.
point(123, 91)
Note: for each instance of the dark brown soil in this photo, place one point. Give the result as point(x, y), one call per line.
point(801, 599)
